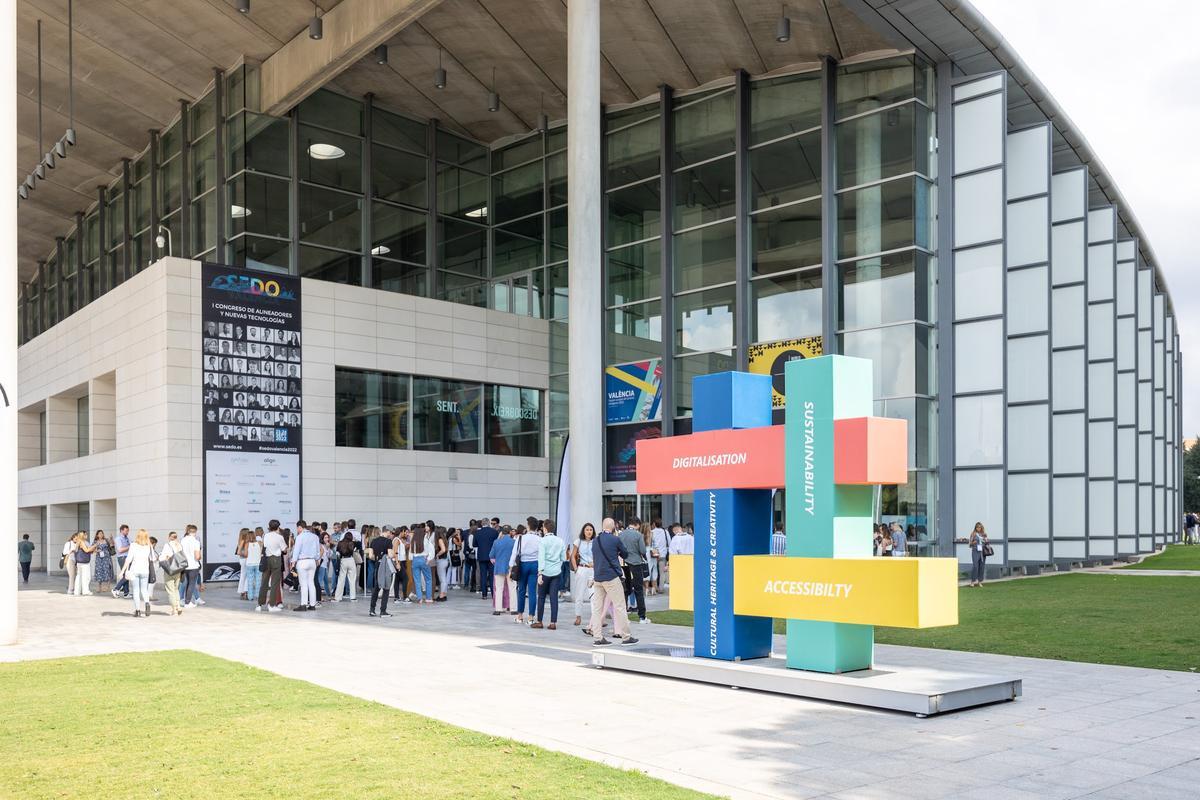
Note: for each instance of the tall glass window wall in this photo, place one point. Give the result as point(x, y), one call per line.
point(885, 262)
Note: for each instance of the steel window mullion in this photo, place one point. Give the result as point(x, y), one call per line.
point(222, 198)
point(829, 272)
point(185, 185)
point(741, 236)
point(666, 196)
point(127, 239)
point(367, 234)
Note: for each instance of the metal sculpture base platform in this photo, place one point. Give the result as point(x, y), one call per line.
point(916, 690)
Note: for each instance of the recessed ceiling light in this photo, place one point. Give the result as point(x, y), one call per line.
point(380, 250)
point(325, 152)
point(239, 212)
point(477, 213)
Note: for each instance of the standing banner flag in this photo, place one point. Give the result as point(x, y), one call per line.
point(251, 405)
point(632, 391)
point(564, 526)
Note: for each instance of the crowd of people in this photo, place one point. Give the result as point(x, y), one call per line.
point(520, 570)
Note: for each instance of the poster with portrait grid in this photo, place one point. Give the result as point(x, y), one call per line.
point(251, 380)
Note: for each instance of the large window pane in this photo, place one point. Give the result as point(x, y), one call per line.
point(634, 333)
point(518, 192)
point(398, 131)
point(633, 213)
point(518, 246)
point(462, 247)
point(332, 110)
point(330, 218)
point(259, 204)
point(1028, 437)
point(260, 143)
point(328, 265)
point(979, 430)
point(863, 87)
point(979, 497)
point(255, 252)
point(398, 176)
point(460, 151)
point(556, 175)
point(786, 306)
point(634, 272)
point(1028, 300)
point(884, 217)
point(330, 159)
point(169, 184)
point(705, 257)
point(633, 153)
point(978, 356)
point(921, 416)
point(704, 320)
point(397, 233)
point(463, 289)
point(204, 165)
point(786, 238)
point(392, 276)
point(705, 193)
point(883, 145)
point(878, 291)
point(786, 171)
point(204, 223)
point(780, 106)
point(445, 415)
point(514, 421)
point(703, 127)
point(900, 357)
point(462, 193)
point(1028, 369)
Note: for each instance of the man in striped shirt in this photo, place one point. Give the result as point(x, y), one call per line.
point(778, 541)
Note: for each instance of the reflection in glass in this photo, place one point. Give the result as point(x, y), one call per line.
point(878, 291)
point(462, 247)
point(514, 421)
point(398, 176)
point(866, 86)
point(779, 106)
point(260, 143)
point(340, 172)
point(330, 218)
point(705, 193)
point(704, 320)
point(519, 152)
point(204, 165)
point(462, 193)
point(633, 213)
point(786, 306)
point(371, 409)
point(204, 223)
point(704, 256)
point(517, 193)
point(328, 265)
point(900, 356)
point(786, 238)
point(397, 232)
point(460, 151)
point(332, 110)
point(634, 272)
point(786, 171)
point(887, 216)
point(254, 252)
point(883, 145)
point(689, 367)
point(392, 276)
point(632, 153)
point(446, 415)
point(397, 131)
point(634, 333)
point(518, 246)
point(259, 204)
point(703, 127)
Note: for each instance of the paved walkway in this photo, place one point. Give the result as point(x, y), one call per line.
point(1080, 730)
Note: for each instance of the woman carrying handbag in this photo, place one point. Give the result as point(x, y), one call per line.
point(173, 562)
point(980, 550)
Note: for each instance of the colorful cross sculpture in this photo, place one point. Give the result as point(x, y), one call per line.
point(828, 455)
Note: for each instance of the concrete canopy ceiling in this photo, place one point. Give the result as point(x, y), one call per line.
point(644, 44)
point(134, 61)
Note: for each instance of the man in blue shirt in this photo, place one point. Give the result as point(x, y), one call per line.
point(122, 544)
point(304, 557)
point(899, 541)
point(485, 537)
point(607, 552)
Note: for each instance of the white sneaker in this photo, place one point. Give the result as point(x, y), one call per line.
point(645, 621)
point(189, 605)
point(200, 601)
point(258, 608)
point(273, 609)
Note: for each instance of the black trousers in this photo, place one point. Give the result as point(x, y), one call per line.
point(549, 588)
point(485, 575)
point(25, 570)
point(635, 584)
point(375, 594)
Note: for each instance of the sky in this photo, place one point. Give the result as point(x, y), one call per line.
point(1124, 73)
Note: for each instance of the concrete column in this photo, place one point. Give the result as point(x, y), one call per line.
point(102, 413)
point(585, 274)
point(8, 336)
point(62, 429)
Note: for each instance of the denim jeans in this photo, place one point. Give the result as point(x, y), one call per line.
point(527, 587)
point(253, 579)
point(422, 577)
point(139, 586)
point(325, 576)
point(548, 588)
point(978, 561)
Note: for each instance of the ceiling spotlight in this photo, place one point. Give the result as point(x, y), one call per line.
point(380, 250)
point(29, 183)
point(60, 149)
point(48, 159)
point(315, 26)
point(39, 172)
point(243, 6)
point(381, 55)
point(439, 75)
point(493, 97)
point(238, 212)
point(69, 137)
point(23, 192)
point(783, 30)
point(325, 152)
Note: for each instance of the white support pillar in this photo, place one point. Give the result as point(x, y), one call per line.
point(585, 310)
point(8, 313)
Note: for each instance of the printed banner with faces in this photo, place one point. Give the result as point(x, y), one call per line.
point(252, 415)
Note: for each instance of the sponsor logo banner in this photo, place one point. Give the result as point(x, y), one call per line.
point(632, 392)
point(622, 449)
point(769, 358)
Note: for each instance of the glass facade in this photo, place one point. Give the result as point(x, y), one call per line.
point(390, 411)
point(795, 212)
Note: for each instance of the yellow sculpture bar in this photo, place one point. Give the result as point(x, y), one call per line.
point(895, 592)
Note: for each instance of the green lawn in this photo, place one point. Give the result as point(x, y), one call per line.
point(1103, 619)
point(180, 724)
point(1176, 556)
